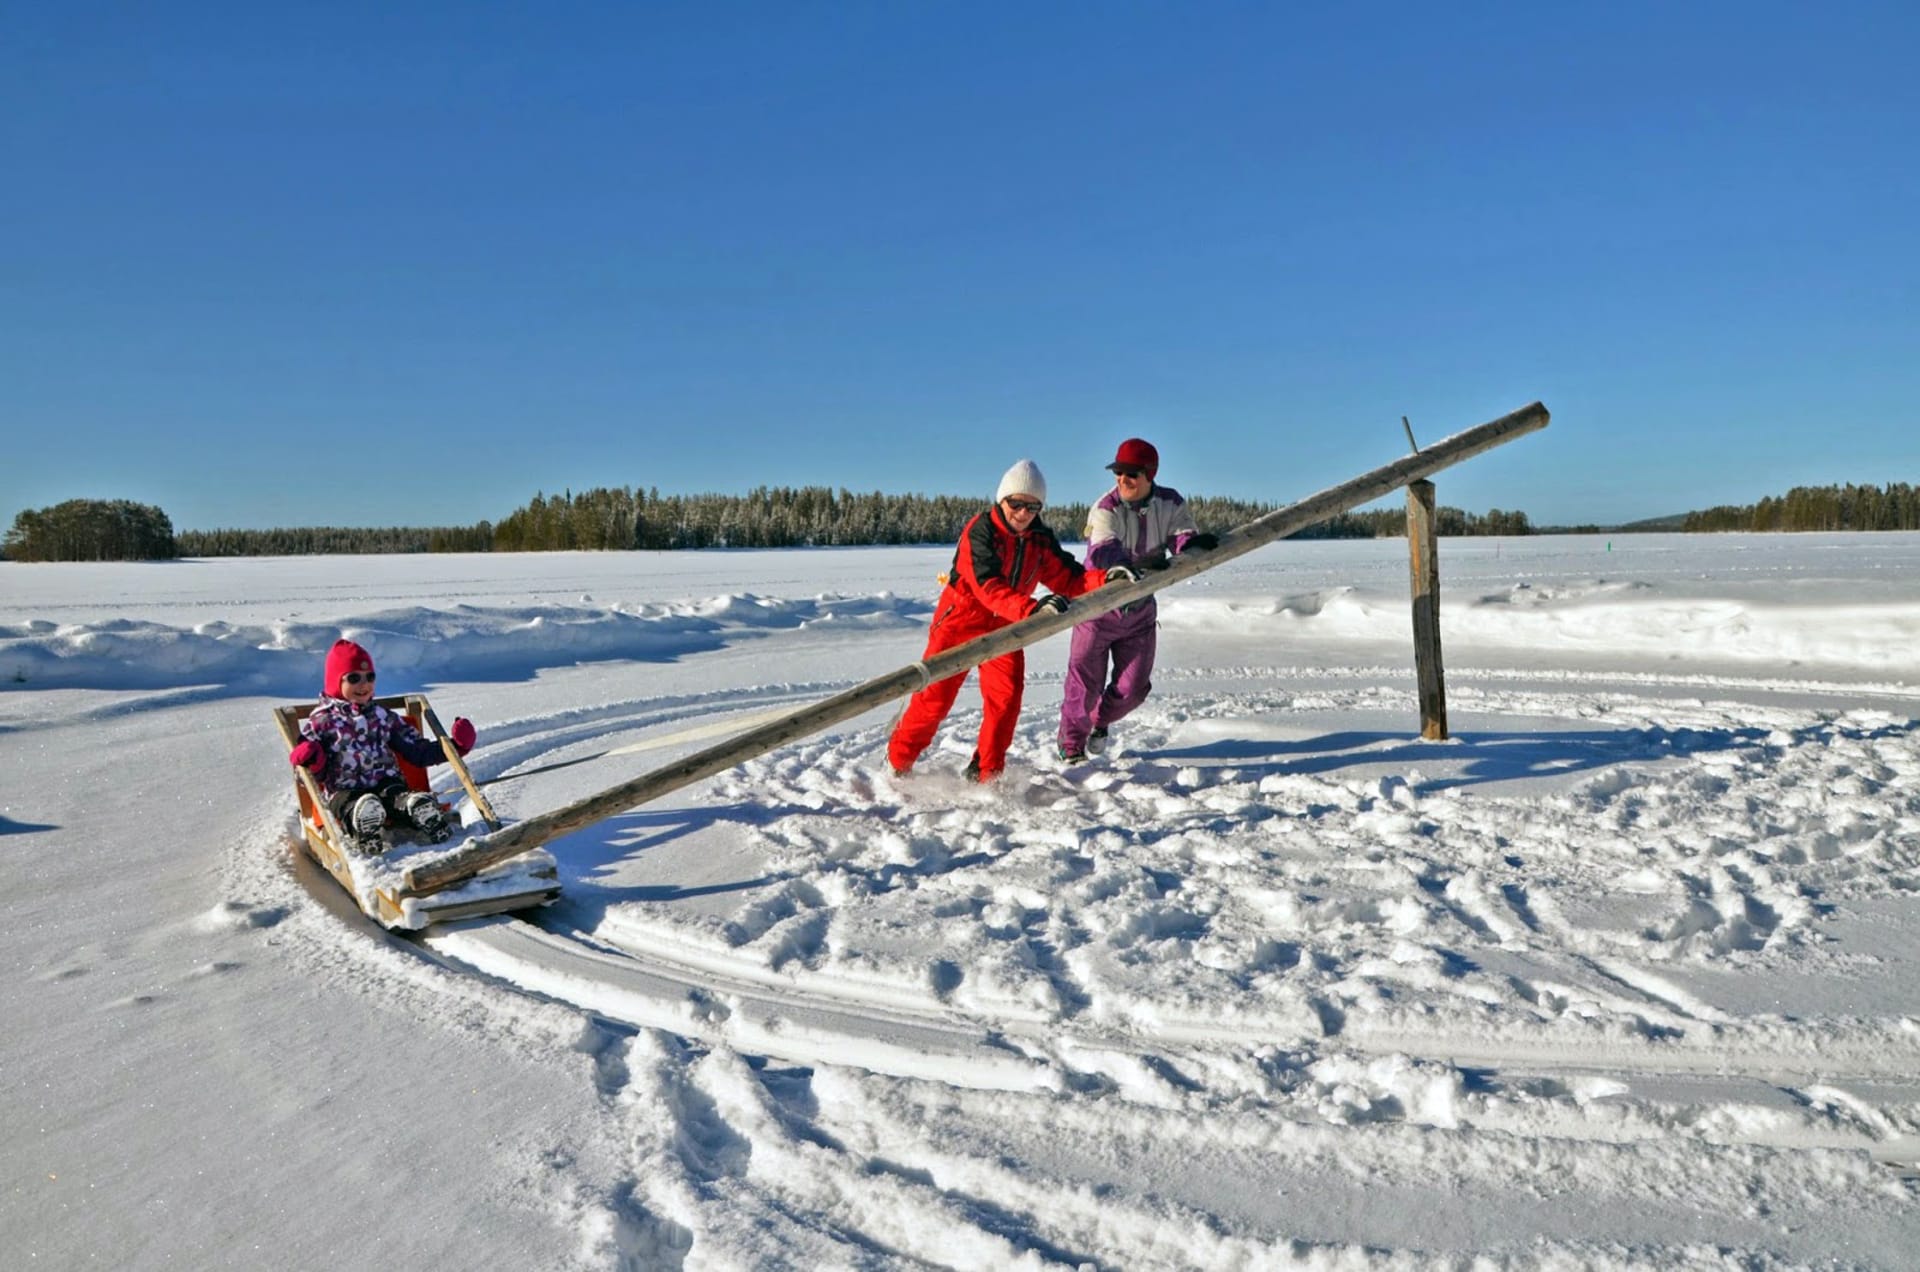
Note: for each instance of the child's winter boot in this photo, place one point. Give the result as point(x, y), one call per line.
point(365, 819)
point(424, 811)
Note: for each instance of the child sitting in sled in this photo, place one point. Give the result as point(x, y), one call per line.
point(348, 743)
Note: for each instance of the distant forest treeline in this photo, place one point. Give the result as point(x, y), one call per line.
point(1895, 506)
point(769, 517)
point(335, 540)
point(626, 519)
point(809, 516)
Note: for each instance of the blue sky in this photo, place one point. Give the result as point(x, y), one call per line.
point(366, 264)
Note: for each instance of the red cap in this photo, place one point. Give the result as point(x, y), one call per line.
point(1136, 453)
point(345, 656)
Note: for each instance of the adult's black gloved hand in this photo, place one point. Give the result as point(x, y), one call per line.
point(1154, 560)
point(1052, 603)
point(1202, 542)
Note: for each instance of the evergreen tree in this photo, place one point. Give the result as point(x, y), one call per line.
point(92, 530)
point(1895, 506)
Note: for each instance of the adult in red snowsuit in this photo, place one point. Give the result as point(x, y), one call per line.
point(1003, 554)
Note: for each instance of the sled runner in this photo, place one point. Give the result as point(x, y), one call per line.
point(376, 882)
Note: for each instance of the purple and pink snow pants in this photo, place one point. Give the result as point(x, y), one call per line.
point(1121, 642)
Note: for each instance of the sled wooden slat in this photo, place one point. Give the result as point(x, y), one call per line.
point(459, 765)
point(478, 853)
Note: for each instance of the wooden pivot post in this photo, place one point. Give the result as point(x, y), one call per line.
point(478, 853)
point(1423, 545)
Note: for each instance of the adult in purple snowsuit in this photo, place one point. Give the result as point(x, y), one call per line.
point(1136, 524)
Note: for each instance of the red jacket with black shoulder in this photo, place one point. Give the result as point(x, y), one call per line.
point(996, 568)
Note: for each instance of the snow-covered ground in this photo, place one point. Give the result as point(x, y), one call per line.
point(1625, 974)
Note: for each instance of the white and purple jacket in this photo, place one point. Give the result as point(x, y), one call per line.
point(360, 744)
point(1121, 532)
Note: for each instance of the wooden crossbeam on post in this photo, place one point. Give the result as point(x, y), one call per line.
point(483, 851)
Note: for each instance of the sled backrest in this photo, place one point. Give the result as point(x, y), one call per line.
point(413, 706)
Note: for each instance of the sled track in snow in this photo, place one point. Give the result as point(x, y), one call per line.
point(1027, 1102)
point(758, 1016)
point(1654, 1041)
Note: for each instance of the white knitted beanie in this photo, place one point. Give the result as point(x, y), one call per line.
point(1024, 478)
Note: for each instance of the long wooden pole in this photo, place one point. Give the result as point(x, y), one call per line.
point(481, 852)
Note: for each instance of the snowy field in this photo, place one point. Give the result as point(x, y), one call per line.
point(1626, 974)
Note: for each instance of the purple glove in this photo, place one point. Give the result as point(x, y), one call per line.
point(308, 755)
point(462, 734)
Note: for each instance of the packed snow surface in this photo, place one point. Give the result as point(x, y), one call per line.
point(1624, 974)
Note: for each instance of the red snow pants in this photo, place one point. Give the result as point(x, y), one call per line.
point(1002, 682)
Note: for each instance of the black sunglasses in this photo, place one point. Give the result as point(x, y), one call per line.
point(1025, 505)
point(1129, 472)
point(358, 678)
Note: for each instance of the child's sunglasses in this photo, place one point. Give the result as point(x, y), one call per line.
point(358, 678)
point(1025, 505)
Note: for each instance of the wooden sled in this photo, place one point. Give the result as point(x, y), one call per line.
point(376, 883)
